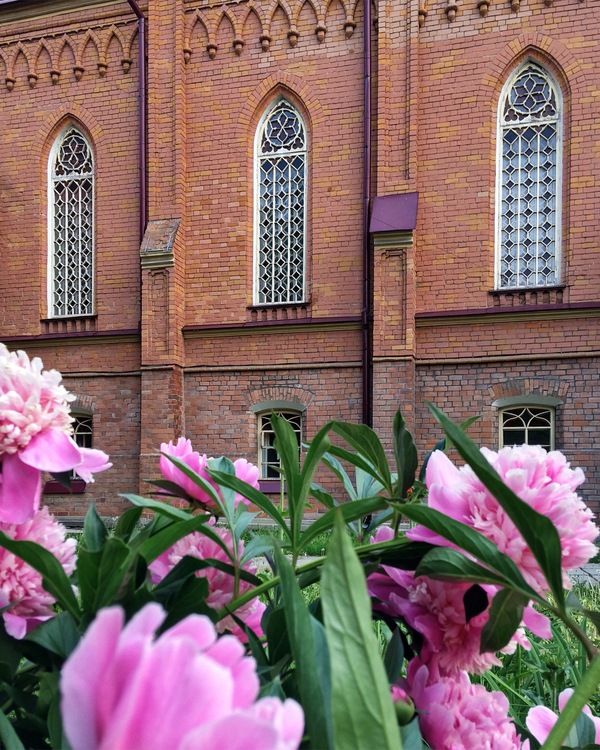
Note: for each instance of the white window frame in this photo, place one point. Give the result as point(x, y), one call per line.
point(266, 415)
point(83, 427)
point(500, 130)
point(258, 156)
point(52, 313)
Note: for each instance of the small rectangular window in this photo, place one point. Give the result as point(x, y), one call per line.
point(268, 457)
point(527, 425)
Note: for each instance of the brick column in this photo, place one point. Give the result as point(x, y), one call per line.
point(162, 253)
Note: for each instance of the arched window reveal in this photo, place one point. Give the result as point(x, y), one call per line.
point(280, 207)
point(71, 198)
point(529, 180)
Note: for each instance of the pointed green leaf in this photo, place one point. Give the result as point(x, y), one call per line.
point(406, 455)
point(506, 614)
point(255, 496)
point(59, 635)
point(475, 601)
point(364, 440)
point(357, 460)
point(349, 512)
point(94, 530)
point(54, 578)
point(471, 541)
point(363, 712)
point(310, 653)
point(9, 737)
point(537, 530)
point(159, 507)
point(127, 523)
point(446, 564)
point(162, 540)
point(393, 657)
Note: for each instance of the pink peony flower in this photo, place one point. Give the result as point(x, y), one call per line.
point(454, 714)
point(35, 435)
point(122, 688)
point(183, 450)
point(540, 719)
point(220, 584)
point(543, 480)
point(20, 585)
point(436, 610)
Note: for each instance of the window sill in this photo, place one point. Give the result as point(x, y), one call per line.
point(74, 324)
point(52, 487)
point(527, 297)
point(270, 486)
point(280, 311)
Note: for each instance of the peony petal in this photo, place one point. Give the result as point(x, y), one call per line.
point(51, 450)
point(20, 490)
point(91, 461)
point(540, 721)
point(83, 675)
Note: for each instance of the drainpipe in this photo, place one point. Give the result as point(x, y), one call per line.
point(367, 313)
point(142, 115)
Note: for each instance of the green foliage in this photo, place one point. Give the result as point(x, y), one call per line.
point(320, 645)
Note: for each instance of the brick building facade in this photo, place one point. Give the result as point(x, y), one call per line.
point(189, 233)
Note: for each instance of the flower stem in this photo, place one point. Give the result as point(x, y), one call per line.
point(587, 687)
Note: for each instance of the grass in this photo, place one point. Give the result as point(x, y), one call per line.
point(537, 676)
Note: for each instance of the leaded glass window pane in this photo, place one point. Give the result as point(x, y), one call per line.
point(529, 181)
point(268, 457)
point(82, 434)
point(280, 207)
point(72, 230)
point(527, 425)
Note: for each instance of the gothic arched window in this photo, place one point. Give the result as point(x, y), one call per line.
point(71, 225)
point(528, 211)
point(280, 207)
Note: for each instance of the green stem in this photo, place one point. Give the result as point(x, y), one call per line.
point(587, 687)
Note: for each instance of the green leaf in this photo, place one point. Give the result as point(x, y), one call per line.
point(151, 548)
point(358, 461)
point(364, 440)
point(411, 736)
point(310, 653)
point(198, 480)
point(159, 507)
point(506, 614)
point(317, 449)
point(471, 541)
point(397, 553)
point(58, 635)
point(104, 575)
point(393, 657)
point(94, 530)
point(349, 512)
point(255, 496)
point(446, 564)
point(406, 455)
point(537, 530)
point(127, 522)
point(54, 578)
point(475, 601)
point(363, 712)
point(10, 739)
point(582, 733)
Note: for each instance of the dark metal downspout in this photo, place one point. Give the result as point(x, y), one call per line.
point(367, 313)
point(142, 115)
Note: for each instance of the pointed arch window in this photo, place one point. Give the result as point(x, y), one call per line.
point(71, 225)
point(280, 207)
point(528, 213)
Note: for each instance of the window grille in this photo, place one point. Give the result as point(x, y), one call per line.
point(528, 425)
point(71, 199)
point(268, 458)
point(528, 202)
point(82, 435)
point(280, 202)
